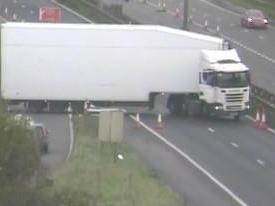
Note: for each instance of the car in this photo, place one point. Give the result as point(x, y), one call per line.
point(41, 134)
point(254, 18)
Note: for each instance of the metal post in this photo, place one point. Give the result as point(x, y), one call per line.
point(185, 15)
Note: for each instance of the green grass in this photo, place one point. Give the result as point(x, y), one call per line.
point(267, 6)
point(92, 175)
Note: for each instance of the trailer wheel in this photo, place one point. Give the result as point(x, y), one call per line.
point(174, 106)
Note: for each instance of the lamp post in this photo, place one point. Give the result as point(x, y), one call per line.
point(185, 15)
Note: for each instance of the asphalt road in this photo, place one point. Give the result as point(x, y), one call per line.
point(59, 138)
point(237, 154)
point(172, 169)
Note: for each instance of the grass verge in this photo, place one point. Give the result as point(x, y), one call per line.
point(92, 177)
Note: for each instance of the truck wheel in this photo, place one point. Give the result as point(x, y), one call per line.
point(174, 106)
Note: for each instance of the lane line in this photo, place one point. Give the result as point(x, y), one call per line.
point(211, 130)
point(271, 130)
point(72, 11)
point(261, 162)
point(261, 37)
point(193, 162)
point(234, 144)
point(71, 137)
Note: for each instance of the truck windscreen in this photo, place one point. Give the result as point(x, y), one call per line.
point(232, 80)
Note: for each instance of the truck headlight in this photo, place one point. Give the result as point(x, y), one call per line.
point(249, 20)
point(218, 107)
point(247, 105)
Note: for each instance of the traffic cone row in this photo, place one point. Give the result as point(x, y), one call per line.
point(260, 121)
point(159, 124)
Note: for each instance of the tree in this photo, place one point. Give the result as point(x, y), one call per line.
point(19, 160)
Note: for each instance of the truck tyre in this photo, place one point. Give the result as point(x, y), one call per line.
point(174, 106)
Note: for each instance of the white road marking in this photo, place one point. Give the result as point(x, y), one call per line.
point(23, 6)
point(271, 130)
point(250, 118)
point(246, 30)
point(234, 144)
point(72, 11)
point(261, 37)
point(71, 137)
point(232, 25)
point(261, 162)
point(211, 130)
point(194, 9)
point(194, 163)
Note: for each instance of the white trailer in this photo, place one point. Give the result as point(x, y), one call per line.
point(53, 64)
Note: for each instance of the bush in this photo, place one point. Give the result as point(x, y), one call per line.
point(19, 160)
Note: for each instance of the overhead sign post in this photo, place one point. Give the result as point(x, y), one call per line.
point(49, 14)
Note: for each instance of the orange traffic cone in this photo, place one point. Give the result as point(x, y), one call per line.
point(159, 122)
point(258, 120)
point(137, 125)
point(263, 124)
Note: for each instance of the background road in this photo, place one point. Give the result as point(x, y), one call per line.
point(256, 47)
point(59, 138)
point(28, 10)
point(242, 159)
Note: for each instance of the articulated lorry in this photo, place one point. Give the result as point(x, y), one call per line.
point(48, 66)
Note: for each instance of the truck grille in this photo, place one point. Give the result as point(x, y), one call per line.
point(234, 108)
point(234, 98)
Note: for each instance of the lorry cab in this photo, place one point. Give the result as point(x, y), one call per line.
point(224, 82)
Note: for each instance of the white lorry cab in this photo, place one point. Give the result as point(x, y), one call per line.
point(224, 83)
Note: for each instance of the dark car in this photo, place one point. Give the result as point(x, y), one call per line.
point(41, 134)
point(254, 19)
